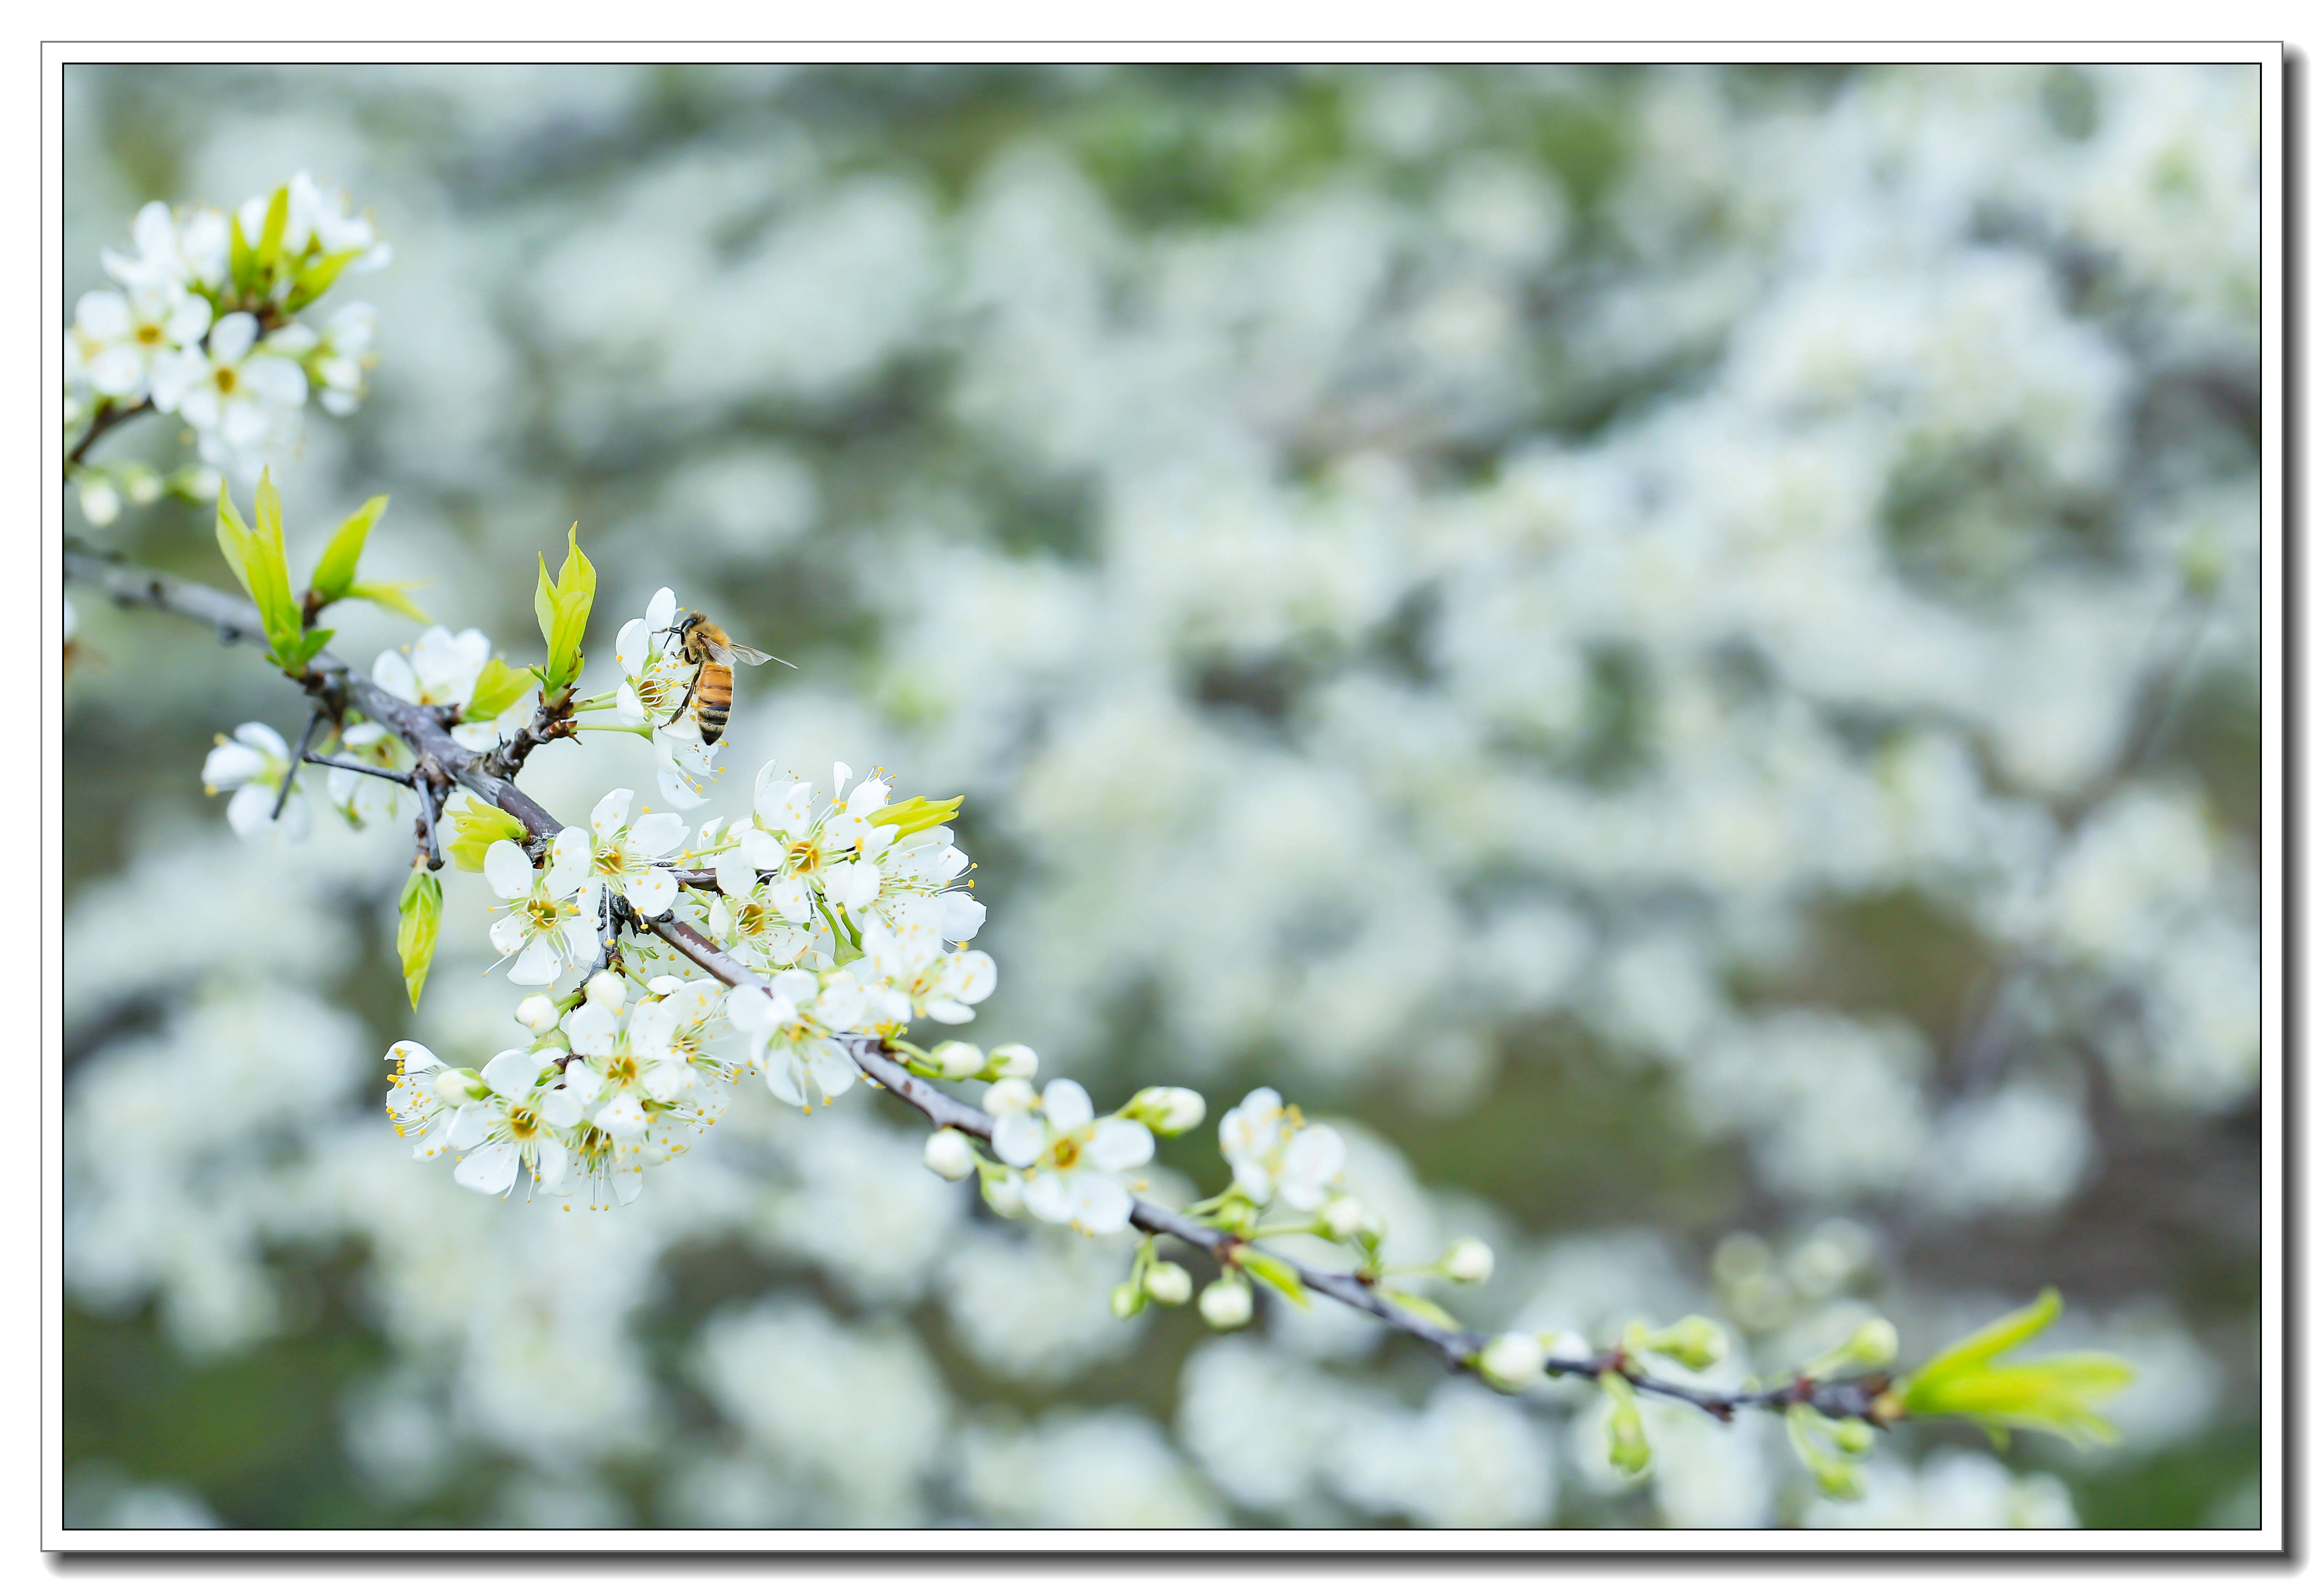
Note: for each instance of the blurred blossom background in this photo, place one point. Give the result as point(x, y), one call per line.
point(1675, 650)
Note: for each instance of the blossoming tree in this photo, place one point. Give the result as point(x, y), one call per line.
point(818, 938)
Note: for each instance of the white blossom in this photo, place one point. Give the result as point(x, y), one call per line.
point(173, 254)
point(421, 1112)
point(790, 1022)
point(1276, 1154)
point(552, 917)
point(240, 398)
point(367, 799)
point(515, 1125)
point(252, 766)
point(628, 858)
point(1072, 1159)
point(917, 975)
point(120, 337)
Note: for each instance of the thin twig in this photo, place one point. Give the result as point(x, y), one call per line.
point(291, 775)
point(106, 419)
point(437, 753)
point(424, 784)
point(331, 761)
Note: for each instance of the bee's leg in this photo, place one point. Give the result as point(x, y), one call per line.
point(683, 701)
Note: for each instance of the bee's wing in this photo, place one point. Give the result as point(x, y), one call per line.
point(739, 654)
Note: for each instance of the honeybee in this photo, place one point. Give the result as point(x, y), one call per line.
point(714, 654)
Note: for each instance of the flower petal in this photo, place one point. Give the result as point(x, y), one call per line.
point(653, 893)
point(539, 963)
point(508, 870)
point(612, 811)
point(512, 1074)
point(1067, 1105)
point(1118, 1145)
point(1019, 1139)
point(1100, 1205)
point(570, 856)
point(1046, 1197)
point(489, 1170)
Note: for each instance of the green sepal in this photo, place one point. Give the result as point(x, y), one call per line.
point(419, 911)
point(497, 688)
point(1423, 1307)
point(475, 827)
point(335, 572)
point(1277, 1273)
point(914, 814)
point(389, 595)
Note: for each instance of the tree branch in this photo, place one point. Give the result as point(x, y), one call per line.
point(106, 419)
point(332, 683)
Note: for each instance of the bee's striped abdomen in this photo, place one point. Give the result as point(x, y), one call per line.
point(715, 694)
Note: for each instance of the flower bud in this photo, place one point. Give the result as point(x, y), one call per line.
point(1853, 1436)
point(1004, 1192)
point(1226, 1303)
point(1625, 1444)
point(1013, 1062)
point(1694, 1342)
point(1126, 1301)
point(1626, 1429)
point(1169, 1284)
point(100, 505)
point(460, 1085)
point(607, 988)
point(949, 1155)
point(1468, 1261)
point(1512, 1361)
point(1340, 1218)
point(1009, 1095)
point(538, 1012)
point(957, 1059)
point(1166, 1108)
point(1874, 1342)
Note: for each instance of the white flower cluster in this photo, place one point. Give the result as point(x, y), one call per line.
point(204, 326)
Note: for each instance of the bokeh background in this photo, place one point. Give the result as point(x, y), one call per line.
point(1673, 649)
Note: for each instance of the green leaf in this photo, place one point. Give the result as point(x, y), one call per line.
point(303, 652)
point(419, 911)
point(314, 279)
point(1277, 1274)
point(914, 814)
point(475, 827)
point(497, 688)
point(2050, 1395)
point(335, 572)
point(1423, 1307)
point(565, 641)
point(544, 606)
point(578, 573)
point(242, 259)
point(235, 540)
point(389, 595)
point(270, 237)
